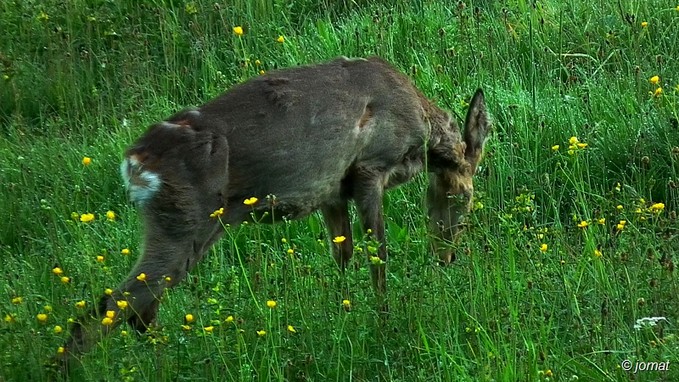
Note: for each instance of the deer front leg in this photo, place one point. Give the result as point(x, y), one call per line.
point(136, 300)
point(337, 219)
point(368, 193)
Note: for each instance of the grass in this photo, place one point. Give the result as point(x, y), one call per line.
point(83, 79)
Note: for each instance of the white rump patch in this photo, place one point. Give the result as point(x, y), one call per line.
point(142, 185)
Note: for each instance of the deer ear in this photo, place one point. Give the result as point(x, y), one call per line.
point(476, 128)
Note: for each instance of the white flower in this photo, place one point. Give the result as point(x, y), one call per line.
point(647, 322)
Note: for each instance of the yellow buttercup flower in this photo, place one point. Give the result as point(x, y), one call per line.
point(110, 215)
point(86, 161)
point(238, 30)
point(108, 291)
point(261, 333)
point(141, 277)
point(209, 329)
point(601, 221)
point(271, 304)
point(122, 304)
point(125, 251)
point(110, 314)
point(17, 300)
point(60, 350)
point(573, 140)
point(106, 321)
point(100, 259)
point(555, 148)
point(57, 329)
point(86, 218)
point(291, 329)
point(281, 39)
point(654, 80)
point(597, 253)
point(339, 239)
point(229, 319)
point(65, 279)
point(42, 317)
point(657, 92)
point(188, 318)
point(583, 224)
point(250, 201)
point(80, 304)
point(644, 24)
point(57, 271)
point(543, 248)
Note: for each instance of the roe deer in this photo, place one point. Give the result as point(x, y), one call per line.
point(314, 137)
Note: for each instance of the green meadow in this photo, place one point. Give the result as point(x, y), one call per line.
point(572, 240)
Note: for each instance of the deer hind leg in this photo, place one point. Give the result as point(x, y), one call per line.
point(368, 193)
point(337, 219)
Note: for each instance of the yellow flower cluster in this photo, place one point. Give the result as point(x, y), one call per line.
point(217, 213)
point(108, 320)
point(57, 271)
point(574, 145)
point(657, 208)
